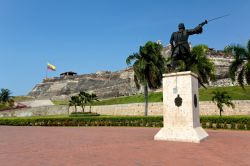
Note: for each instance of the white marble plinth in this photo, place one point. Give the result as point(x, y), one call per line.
point(181, 119)
point(181, 134)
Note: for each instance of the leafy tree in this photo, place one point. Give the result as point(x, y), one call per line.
point(74, 101)
point(198, 63)
point(5, 95)
point(220, 98)
point(149, 65)
point(241, 63)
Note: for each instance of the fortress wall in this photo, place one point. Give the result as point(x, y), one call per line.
point(107, 84)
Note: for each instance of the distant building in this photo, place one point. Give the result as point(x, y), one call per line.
point(69, 73)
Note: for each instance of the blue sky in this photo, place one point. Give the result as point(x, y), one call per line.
point(86, 36)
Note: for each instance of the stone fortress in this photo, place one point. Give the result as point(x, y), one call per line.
point(108, 84)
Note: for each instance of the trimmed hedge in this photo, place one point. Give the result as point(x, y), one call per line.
point(81, 114)
point(216, 122)
point(226, 122)
point(85, 121)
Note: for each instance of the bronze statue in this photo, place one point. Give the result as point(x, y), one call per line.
point(179, 42)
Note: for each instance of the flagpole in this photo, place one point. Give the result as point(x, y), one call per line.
point(49, 67)
point(46, 72)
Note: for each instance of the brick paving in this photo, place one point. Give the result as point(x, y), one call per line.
point(117, 146)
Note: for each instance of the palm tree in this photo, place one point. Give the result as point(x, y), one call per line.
point(221, 98)
point(241, 63)
point(198, 63)
point(91, 98)
point(83, 99)
point(5, 95)
point(74, 101)
point(149, 65)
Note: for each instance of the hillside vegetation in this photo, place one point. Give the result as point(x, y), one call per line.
point(4, 107)
point(237, 93)
point(22, 98)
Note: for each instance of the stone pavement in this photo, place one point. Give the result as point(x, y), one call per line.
point(117, 146)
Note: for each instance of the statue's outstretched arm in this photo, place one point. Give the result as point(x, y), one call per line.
point(198, 29)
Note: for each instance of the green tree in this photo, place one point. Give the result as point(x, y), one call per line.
point(74, 101)
point(199, 64)
point(220, 98)
point(5, 95)
point(149, 65)
point(241, 63)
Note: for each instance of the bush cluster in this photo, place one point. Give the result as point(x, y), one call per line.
point(231, 122)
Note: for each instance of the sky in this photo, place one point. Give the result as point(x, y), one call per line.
point(86, 36)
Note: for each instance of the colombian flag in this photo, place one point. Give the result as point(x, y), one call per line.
point(51, 67)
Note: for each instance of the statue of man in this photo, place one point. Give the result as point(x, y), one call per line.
point(179, 42)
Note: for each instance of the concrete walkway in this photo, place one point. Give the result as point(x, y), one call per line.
point(117, 146)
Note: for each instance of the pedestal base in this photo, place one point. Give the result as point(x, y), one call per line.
point(195, 135)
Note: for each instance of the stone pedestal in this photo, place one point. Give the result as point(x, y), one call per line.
point(181, 109)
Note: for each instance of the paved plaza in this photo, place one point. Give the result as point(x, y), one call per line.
point(117, 146)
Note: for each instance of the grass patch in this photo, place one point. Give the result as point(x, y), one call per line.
point(236, 92)
point(22, 98)
point(60, 102)
point(153, 97)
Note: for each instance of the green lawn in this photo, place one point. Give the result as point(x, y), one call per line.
point(153, 97)
point(237, 93)
point(60, 102)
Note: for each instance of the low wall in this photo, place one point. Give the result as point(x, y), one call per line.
point(36, 111)
point(242, 107)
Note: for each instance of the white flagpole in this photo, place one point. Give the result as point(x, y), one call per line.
point(46, 72)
